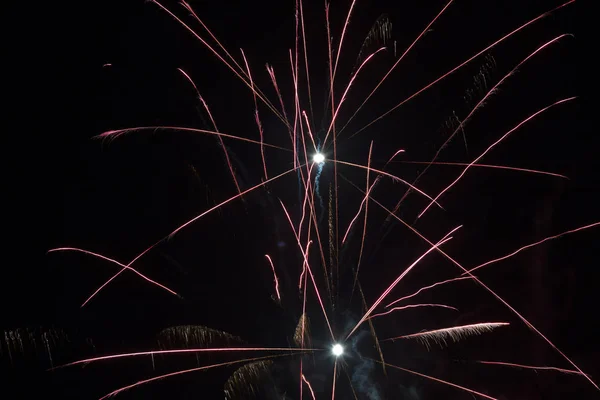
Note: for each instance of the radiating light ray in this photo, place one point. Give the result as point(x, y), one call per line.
point(394, 177)
point(438, 380)
point(312, 393)
point(312, 278)
point(494, 145)
point(533, 171)
point(463, 64)
point(412, 306)
point(114, 262)
point(274, 277)
point(214, 124)
point(183, 351)
point(455, 333)
point(396, 64)
point(256, 116)
point(119, 132)
point(536, 368)
point(185, 371)
point(402, 275)
point(483, 285)
point(426, 288)
point(183, 226)
point(531, 245)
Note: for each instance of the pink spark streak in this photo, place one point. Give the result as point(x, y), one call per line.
point(183, 226)
point(483, 285)
point(394, 177)
point(463, 64)
point(396, 63)
point(436, 380)
point(364, 232)
point(214, 124)
point(256, 116)
point(181, 351)
point(312, 393)
point(533, 171)
point(531, 245)
point(119, 132)
point(274, 277)
point(412, 306)
point(309, 270)
point(426, 288)
point(494, 145)
point(114, 262)
point(366, 196)
point(402, 275)
point(506, 364)
point(156, 378)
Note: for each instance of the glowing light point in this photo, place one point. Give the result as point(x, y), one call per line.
point(318, 158)
point(337, 350)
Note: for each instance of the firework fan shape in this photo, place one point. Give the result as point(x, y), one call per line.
point(321, 170)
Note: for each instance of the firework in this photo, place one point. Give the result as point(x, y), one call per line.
point(323, 281)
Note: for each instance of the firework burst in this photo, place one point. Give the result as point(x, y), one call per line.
point(322, 188)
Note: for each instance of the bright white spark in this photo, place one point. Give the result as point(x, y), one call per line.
point(318, 158)
point(337, 350)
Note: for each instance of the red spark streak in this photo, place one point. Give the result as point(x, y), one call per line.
point(182, 351)
point(396, 63)
point(436, 380)
point(312, 393)
point(522, 318)
point(116, 392)
point(494, 145)
point(118, 132)
point(412, 306)
point(274, 277)
point(214, 124)
point(565, 371)
point(183, 226)
point(117, 263)
point(531, 245)
point(425, 288)
point(389, 289)
point(463, 64)
point(534, 171)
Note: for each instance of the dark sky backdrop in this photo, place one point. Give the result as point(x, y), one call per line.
point(67, 190)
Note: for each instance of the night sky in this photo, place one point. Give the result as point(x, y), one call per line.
point(78, 70)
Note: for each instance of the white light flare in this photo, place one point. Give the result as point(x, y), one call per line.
point(337, 349)
point(318, 158)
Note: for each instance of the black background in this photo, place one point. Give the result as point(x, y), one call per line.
point(64, 189)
